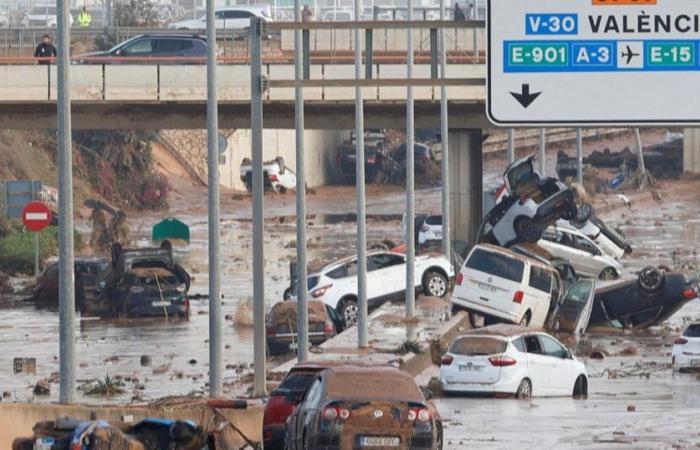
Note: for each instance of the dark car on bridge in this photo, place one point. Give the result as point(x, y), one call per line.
point(156, 48)
point(364, 407)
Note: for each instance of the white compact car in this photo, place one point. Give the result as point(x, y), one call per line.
point(232, 18)
point(584, 255)
point(43, 16)
point(277, 176)
point(510, 360)
point(336, 284)
point(686, 349)
point(427, 226)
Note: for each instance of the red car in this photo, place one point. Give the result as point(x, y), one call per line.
point(284, 400)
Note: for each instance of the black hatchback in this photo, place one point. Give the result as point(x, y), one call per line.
point(158, 48)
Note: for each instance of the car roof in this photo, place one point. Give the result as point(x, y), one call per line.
point(514, 255)
point(350, 258)
point(321, 365)
point(503, 330)
point(172, 35)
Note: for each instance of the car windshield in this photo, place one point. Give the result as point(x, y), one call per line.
point(496, 264)
point(296, 383)
point(580, 292)
point(478, 345)
point(43, 10)
point(434, 220)
point(520, 173)
point(693, 331)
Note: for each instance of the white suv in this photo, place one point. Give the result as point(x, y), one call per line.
point(336, 284)
point(584, 255)
point(231, 18)
point(504, 286)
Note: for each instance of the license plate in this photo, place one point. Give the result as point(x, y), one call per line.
point(293, 346)
point(45, 443)
point(377, 441)
point(471, 368)
point(486, 287)
point(161, 303)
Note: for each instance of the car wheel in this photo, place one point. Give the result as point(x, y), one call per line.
point(609, 273)
point(348, 310)
point(476, 320)
point(526, 230)
point(569, 211)
point(287, 295)
point(580, 387)
point(435, 284)
point(525, 321)
point(650, 279)
point(524, 391)
point(41, 297)
point(584, 213)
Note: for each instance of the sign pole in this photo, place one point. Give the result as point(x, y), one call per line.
point(37, 269)
point(66, 305)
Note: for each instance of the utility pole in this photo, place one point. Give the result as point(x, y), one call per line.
point(66, 268)
point(640, 152)
point(302, 288)
point(362, 332)
point(410, 179)
point(510, 150)
point(543, 145)
point(215, 342)
point(579, 157)
point(444, 131)
point(256, 125)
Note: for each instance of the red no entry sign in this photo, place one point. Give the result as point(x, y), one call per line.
point(36, 216)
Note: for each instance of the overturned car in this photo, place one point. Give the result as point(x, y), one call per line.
point(529, 203)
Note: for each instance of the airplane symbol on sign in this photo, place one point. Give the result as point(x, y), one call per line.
point(629, 54)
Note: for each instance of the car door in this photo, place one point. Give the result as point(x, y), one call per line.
point(388, 272)
point(306, 411)
point(590, 259)
point(573, 311)
point(538, 365)
point(539, 295)
point(144, 48)
point(561, 368)
point(220, 17)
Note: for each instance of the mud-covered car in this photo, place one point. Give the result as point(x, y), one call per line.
point(364, 407)
point(650, 298)
point(149, 292)
point(532, 204)
point(89, 281)
point(346, 158)
point(281, 326)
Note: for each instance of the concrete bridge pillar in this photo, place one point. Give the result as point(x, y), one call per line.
point(691, 150)
point(466, 183)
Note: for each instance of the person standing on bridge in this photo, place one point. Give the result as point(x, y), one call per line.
point(84, 18)
point(459, 13)
point(45, 50)
point(307, 14)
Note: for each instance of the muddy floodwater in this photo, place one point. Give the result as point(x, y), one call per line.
point(636, 401)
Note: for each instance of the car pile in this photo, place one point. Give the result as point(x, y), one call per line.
point(543, 261)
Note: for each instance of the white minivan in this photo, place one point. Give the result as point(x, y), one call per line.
point(505, 286)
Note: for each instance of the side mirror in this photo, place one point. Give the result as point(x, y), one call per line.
point(120, 52)
point(568, 355)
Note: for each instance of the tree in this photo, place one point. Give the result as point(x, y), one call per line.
point(135, 13)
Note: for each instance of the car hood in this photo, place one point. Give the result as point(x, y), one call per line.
point(192, 23)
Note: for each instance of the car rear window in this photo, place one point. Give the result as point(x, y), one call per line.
point(540, 279)
point(692, 331)
point(496, 264)
point(297, 382)
point(478, 345)
point(372, 385)
point(434, 220)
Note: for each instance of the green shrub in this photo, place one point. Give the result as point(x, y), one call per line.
point(17, 249)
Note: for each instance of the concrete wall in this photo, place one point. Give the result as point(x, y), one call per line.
point(319, 146)
point(691, 150)
point(17, 419)
point(466, 184)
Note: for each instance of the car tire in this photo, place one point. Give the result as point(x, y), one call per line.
point(348, 311)
point(609, 273)
point(569, 211)
point(526, 230)
point(580, 387)
point(435, 284)
point(650, 279)
point(40, 297)
point(287, 295)
point(524, 391)
point(584, 213)
point(476, 320)
point(525, 321)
